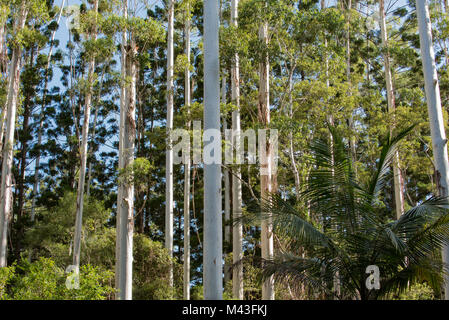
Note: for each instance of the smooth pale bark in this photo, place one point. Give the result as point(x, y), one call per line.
point(123, 108)
point(41, 119)
point(432, 88)
point(169, 151)
point(266, 163)
point(213, 246)
point(187, 164)
point(11, 107)
point(398, 187)
point(83, 155)
point(126, 209)
point(237, 203)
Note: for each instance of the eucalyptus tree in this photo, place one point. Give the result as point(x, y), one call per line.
point(398, 182)
point(91, 33)
point(432, 89)
point(212, 250)
point(266, 182)
point(187, 102)
point(21, 11)
point(237, 230)
point(169, 127)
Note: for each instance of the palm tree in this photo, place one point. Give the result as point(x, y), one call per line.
point(342, 226)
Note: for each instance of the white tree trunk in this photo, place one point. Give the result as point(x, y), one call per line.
point(127, 194)
point(266, 162)
point(83, 155)
point(169, 152)
point(398, 188)
point(213, 249)
point(439, 141)
point(11, 107)
point(187, 166)
point(237, 229)
point(123, 110)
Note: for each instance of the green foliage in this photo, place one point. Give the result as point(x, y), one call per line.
point(44, 280)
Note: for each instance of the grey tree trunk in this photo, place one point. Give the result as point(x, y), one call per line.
point(187, 166)
point(213, 246)
point(398, 187)
point(237, 229)
point(266, 162)
point(169, 152)
point(439, 141)
point(11, 107)
point(83, 155)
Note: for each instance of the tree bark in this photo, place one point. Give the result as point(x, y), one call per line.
point(438, 134)
point(213, 242)
point(187, 165)
point(266, 162)
point(83, 155)
point(237, 229)
point(398, 187)
point(169, 153)
point(7, 163)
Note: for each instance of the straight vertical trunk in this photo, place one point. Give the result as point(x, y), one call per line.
point(123, 110)
point(187, 166)
point(169, 152)
point(398, 188)
point(126, 209)
point(237, 229)
point(266, 162)
point(83, 155)
point(7, 163)
point(213, 241)
point(439, 141)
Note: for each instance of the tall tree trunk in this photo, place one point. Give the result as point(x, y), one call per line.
point(187, 164)
point(127, 193)
point(432, 88)
point(213, 241)
point(169, 153)
point(398, 187)
point(83, 156)
point(237, 203)
point(266, 161)
point(121, 159)
point(7, 163)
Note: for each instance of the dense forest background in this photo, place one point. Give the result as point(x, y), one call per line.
point(326, 68)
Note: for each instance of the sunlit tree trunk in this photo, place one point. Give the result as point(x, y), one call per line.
point(398, 187)
point(83, 155)
point(187, 164)
point(123, 110)
point(213, 246)
point(439, 141)
point(266, 162)
point(169, 152)
point(127, 202)
point(237, 229)
point(11, 107)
